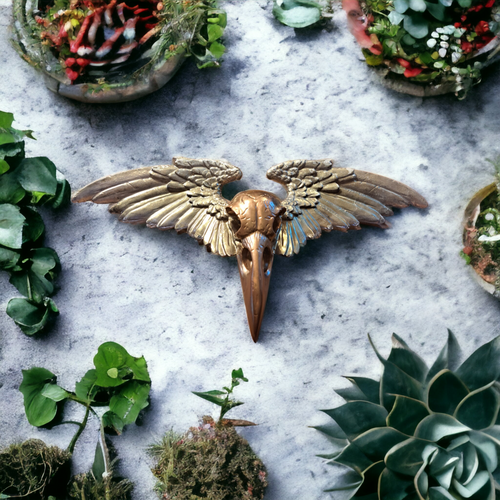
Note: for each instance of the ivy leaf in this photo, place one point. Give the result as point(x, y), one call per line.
point(115, 366)
point(297, 13)
point(34, 226)
point(63, 194)
point(32, 317)
point(37, 175)
point(112, 422)
point(128, 403)
point(39, 409)
point(54, 392)
point(416, 25)
point(84, 388)
point(11, 226)
point(10, 189)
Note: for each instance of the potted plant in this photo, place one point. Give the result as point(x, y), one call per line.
point(427, 48)
point(104, 51)
point(481, 236)
point(210, 460)
point(419, 432)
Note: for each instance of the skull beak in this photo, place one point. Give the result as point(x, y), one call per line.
point(255, 261)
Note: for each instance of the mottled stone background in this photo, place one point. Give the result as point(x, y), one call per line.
point(280, 94)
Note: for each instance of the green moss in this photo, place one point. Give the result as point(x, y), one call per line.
point(32, 470)
point(85, 487)
point(208, 462)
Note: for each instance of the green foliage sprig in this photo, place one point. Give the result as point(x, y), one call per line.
point(301, 13)
point(26, 183)
point(118, 381)
point(420, 433)
point(223, 398)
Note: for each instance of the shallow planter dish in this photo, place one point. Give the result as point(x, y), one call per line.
point(101, 51)
point(429, 57)
point(471, 243)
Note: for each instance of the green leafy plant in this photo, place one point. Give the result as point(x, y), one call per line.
point(26, 183)
point(211, 460)
point(73, 42)
point(301, 13)
point(420, 433)
point(427, 47)
point(118, 381)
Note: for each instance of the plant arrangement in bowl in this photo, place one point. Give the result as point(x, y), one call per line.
point(481, 236)
point(211, 460)
point(427, 47)
point(107, 51)
point(25, 184)
point(36, 471)
point(420, 433)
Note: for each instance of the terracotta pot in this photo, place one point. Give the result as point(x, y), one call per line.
point(471, 214)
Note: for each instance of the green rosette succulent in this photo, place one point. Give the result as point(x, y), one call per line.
point(420, 433)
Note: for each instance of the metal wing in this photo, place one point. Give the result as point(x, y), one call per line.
point(322, 197)
point(185, 196)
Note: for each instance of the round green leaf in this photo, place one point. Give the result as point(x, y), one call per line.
point(445, 392)
point(437, 426)
point(406, 414)
point(297, 15)
point(438, 10)
point(416, 25)
point(39, 409)
point(479, 410)
point(37, 175)
point(54, 392)
point(401, 6)
point(31, 317)
point(11, 226)
point(418, 5)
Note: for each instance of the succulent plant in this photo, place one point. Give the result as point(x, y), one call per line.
point(420, 433)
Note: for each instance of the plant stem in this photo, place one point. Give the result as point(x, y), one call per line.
point(82, 426)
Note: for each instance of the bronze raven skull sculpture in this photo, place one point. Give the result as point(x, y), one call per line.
point(255, 225)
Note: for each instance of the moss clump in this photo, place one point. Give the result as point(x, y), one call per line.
point(85, 487)
point(32, 470)
point(211, 462)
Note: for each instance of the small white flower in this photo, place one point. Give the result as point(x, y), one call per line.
point(489, 216)
point(444, 44)
point(442, 52)
point(455, 57)
point(431, 43)
point(445, 37)
point(434, 34)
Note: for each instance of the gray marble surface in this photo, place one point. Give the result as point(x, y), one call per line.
point(280, 94)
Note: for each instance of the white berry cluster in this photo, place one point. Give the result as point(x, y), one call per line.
point(447, 41)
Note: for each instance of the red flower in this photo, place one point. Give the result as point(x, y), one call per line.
point(70, 61)
point(404, 62)
point(411, 72)
point(72, 75)
point(467, 47)
point(490, 4)
point(482, 28)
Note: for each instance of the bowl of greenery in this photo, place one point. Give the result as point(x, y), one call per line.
point(427, 48)
point(104, 51)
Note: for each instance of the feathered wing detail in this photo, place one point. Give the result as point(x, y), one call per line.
point(185, 196)
point(321, 197)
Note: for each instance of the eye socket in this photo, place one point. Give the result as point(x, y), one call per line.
point(267, 257)
point(246, 257)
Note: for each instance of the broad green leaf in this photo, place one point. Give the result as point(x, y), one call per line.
point(13, 150)
point(375, 443)
point(442, 467)
point(470, 461)
point(357, 417)
point(367, 387)
point(238, 374)
point(54, 392)
point(39, 409)
point(6, 119)
point(416, 25)
point(214, 32)
point(34, 226)
point(11, 226)
point(445, 392)
point(442, 361)
point(395, 17)
point(129, 402)
point(296, 13)
point(8, 258)
point(407, 360)
point(217, 49)
point(30, 317)
point(394, 487)
point(408, 456)
point(487, 447)
point(401, 6)
point(10, 189)
point(479, 409)
point(4, 167)
point(482, 367)
point(112, 422)
point(437, 10)
point(83, 389)
point(63, 195)
point(465, 3)
point(332, 430)
point(439, 493)
point(417, 5)
point(371, 477)
point(437, 426)
point(351, 456)
point(406, 414)
point(112, 355)
point(37, 175)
